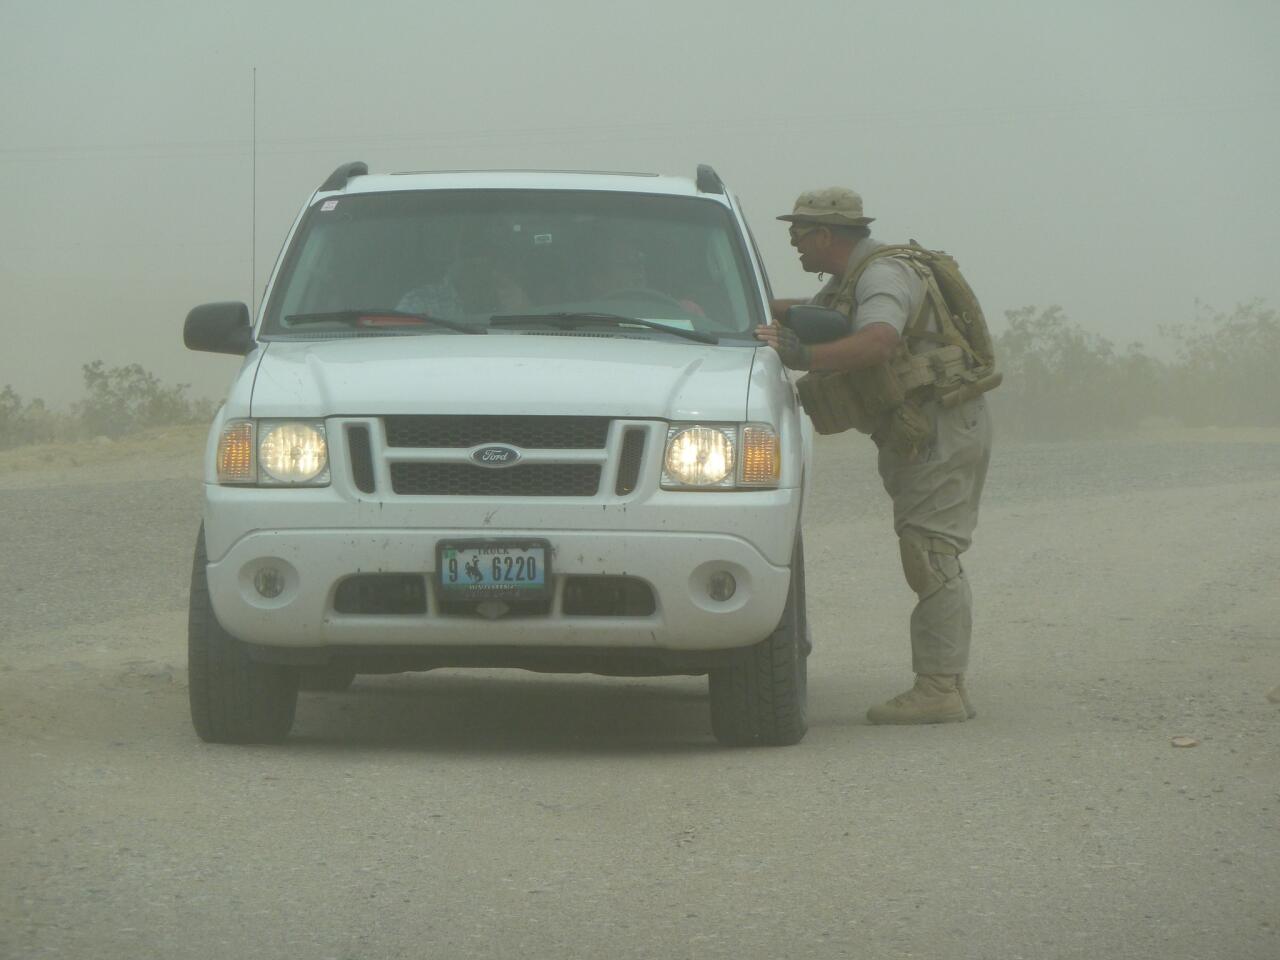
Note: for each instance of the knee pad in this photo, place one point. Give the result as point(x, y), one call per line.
point(927, 562)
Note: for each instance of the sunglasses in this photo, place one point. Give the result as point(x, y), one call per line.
point(798, 232)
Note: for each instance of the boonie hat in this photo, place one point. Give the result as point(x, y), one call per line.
point(834, 206)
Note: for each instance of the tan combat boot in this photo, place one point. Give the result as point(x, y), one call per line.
point(964, 697)
point(933, 699)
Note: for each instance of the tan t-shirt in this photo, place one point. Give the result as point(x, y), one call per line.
point(889, 291)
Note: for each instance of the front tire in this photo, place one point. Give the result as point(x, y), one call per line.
point(759, 699)
point(234, 699)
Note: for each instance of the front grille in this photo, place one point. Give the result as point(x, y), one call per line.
point(524, 480)
point(361, 457)
point(402, 594)
point(607, 597)
point(531, 433)
point(629, 464)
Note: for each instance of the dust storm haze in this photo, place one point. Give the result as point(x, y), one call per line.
point(1117, 160)
point(1105, 173)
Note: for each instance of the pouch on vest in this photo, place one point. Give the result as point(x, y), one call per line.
point(880, 390)
point(833, 404)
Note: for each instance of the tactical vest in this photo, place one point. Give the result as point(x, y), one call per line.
point(887, 401)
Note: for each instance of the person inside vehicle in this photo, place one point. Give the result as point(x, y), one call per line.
point(436, 298)
point(489, 283)
point(482, 282)
point(622, 270)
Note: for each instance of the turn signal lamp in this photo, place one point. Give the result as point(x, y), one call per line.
point(235, 453)
point(761, 456)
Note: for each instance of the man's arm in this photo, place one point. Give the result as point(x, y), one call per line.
point(882, 312)
point(872, 345)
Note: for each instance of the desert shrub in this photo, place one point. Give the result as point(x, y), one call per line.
point(118, 401)
point(1225, 371)
point(1062, 381)
point(23, 422)
point(11, 427)
point(121, 400)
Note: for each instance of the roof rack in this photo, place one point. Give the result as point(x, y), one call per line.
point(338, 179)
point(708, 180)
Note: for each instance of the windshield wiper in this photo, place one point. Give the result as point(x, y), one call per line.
point(388, 318)
point(575, 321)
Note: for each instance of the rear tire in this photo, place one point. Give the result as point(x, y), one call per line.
point(234, 699)
point(760, 698)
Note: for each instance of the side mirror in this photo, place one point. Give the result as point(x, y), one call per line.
point(817, 324)
point(219, 328)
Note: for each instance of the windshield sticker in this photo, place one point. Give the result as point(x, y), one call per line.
point(541, 239)
point(328, 205)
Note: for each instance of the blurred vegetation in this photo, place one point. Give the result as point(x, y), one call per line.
point(118, 401)
point(1063, 382)
point(1060, 382)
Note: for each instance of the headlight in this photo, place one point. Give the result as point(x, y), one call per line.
point(722, 456)
point(293, 453)
point(273, 453)
point(699, 456)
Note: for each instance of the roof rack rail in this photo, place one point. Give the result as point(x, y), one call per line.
point(708, 180)
point(338, 179)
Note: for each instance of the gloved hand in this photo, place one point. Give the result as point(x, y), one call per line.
point(792, 353)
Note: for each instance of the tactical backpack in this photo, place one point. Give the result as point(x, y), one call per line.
point(885, 401)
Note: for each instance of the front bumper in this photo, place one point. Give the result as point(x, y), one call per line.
point(676, 566)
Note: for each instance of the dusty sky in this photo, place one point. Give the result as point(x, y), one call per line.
point(1121, 159)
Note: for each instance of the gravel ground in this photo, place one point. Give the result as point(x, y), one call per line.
point(1127, 594)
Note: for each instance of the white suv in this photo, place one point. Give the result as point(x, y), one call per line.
point(503, 419)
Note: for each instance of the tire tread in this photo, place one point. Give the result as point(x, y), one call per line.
point(759, 699)
point(233, 698)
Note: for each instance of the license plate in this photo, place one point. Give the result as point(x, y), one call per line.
point(512, 570)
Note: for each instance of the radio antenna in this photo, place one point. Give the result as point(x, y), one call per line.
point(253, 204)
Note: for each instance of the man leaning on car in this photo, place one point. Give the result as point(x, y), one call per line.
point(934, 478)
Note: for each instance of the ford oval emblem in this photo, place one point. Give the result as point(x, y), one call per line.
point(496, 455)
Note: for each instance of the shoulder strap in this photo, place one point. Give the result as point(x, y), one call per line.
point(921, 260)
point(916, 257)
point(888, 250)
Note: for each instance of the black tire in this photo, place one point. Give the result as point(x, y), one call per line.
point(234, 699)
point(760, 698)
point(326, 679)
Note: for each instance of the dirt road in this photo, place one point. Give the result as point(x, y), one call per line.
point(1127, 594)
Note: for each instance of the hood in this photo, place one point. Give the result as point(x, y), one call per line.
point(662, 378)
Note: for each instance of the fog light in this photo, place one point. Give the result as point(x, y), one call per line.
point(721, 586)
point(269, 582)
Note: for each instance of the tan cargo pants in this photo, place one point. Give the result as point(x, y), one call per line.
point(935, 509)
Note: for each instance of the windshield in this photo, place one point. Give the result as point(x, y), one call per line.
point(369, 264)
